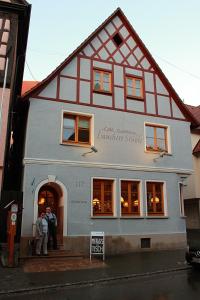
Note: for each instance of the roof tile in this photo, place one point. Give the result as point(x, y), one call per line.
point(196, 148)
point(195, 111)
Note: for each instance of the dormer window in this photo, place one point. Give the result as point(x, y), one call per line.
point(102, 81)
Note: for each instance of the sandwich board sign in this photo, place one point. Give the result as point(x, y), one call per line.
point(97, 244)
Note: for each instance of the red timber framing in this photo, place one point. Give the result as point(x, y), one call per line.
point(135, 57)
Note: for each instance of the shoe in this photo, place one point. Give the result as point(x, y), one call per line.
point(37, 254)
point(46, 254)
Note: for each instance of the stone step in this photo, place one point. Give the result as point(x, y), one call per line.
point(55, 254)
point(40, 264)
point(64, 252)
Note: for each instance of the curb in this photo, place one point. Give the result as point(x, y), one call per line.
point(89, 282)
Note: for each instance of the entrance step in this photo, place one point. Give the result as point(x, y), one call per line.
point(64, 253)
point(60, 253)
point(55, 264)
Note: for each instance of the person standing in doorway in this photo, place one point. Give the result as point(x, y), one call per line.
point(41, 234)
point(52, 227)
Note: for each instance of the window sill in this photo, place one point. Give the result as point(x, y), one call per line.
point(102, 92)
point(103, 217)
point(158, 152)
point(156, 217)
point(131, 217)
point(76, 145)
point(135, 98)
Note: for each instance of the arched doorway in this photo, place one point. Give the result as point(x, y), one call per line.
point(50, 195)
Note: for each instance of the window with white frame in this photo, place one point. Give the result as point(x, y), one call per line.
point(130, 198)
point(155, 198)
point(103, 197)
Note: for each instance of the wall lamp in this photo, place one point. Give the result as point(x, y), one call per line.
point(93, 149)
point(161, 155)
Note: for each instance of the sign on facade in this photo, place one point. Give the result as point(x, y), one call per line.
point(97, 243)
point(14, 208)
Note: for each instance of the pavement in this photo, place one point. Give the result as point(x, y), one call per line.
point(80, 271)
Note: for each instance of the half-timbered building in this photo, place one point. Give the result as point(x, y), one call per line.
point(14, 26)
point(105, 148)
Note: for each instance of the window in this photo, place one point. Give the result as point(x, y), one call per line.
point(145, 243)
point(155, 199)
point(134, 87)
point(156, 138)
point(76, 129)
point(102, 201)
point(130, 198)
point(102, 81)
point(181, 199)
point(117, 39)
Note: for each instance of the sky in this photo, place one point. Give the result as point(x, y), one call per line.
point(169, 29)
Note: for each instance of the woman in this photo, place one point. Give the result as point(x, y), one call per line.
point(41, 234)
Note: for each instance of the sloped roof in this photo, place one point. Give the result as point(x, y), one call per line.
point(23, 2)
point(196, 149)
point(118, 12)
point(195, 111)
point(27, 86)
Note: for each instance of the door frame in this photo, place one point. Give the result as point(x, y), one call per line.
point(63, 202)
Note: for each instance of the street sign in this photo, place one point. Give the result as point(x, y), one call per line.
point(97, 243)
point(13, 217)
point(14, 208)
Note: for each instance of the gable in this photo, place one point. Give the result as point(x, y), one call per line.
point(116, 48)
point(104, 47)
point(50, 91)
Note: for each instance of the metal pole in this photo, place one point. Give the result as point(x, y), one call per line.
point(2, 96)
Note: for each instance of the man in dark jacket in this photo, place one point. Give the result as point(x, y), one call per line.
point(52, 227)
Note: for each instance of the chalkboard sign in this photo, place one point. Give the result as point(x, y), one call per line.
point(97, 244)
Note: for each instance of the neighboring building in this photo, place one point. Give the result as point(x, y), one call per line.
point(14, 24)
point(104, 149)
point(192, 188)
point(27, 86)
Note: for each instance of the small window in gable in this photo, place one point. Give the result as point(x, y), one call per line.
point(117, 39)
point(134, 87)
point(102, 81)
